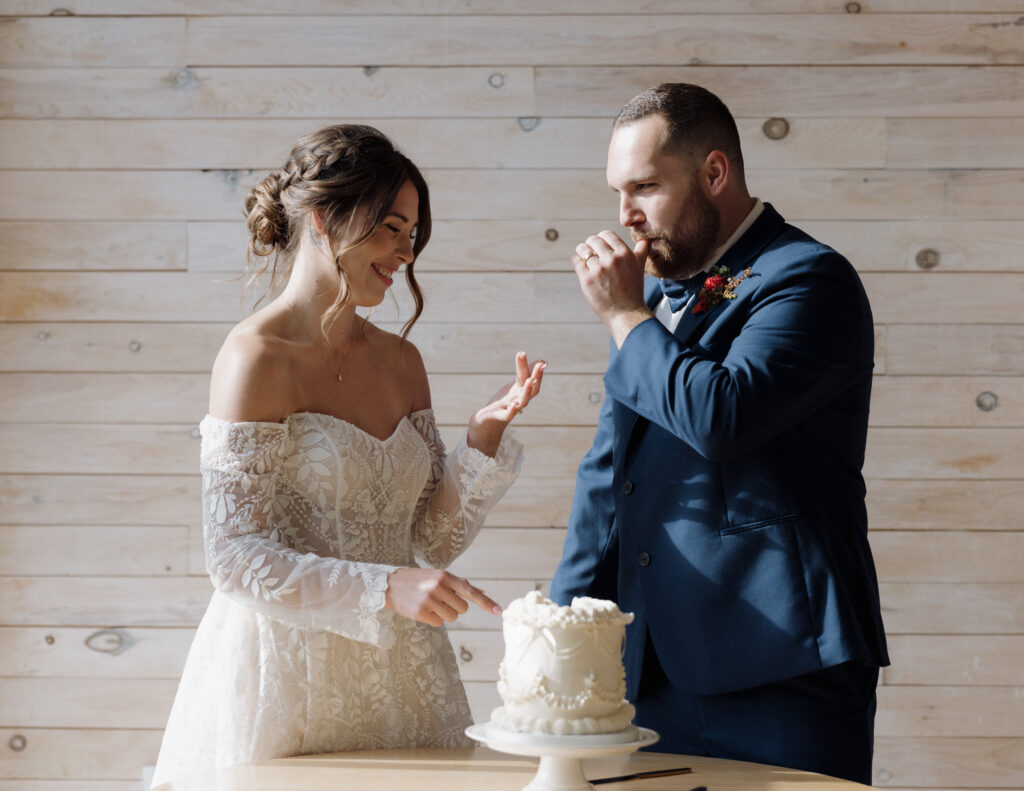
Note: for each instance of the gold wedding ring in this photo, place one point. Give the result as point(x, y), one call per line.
point(591, 255)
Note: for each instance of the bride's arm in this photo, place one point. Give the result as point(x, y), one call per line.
point(255, 552)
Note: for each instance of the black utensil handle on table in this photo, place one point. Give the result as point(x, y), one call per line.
point(641, 775)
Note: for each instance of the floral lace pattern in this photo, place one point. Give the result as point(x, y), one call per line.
point(302, 523)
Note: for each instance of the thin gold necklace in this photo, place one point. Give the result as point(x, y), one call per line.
point(348, 351)
point(330, 355)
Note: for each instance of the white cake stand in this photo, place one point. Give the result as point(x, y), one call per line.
point(561, 757)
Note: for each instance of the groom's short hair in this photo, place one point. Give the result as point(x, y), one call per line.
point(698, 121)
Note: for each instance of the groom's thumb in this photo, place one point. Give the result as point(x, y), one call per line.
point(640, 251)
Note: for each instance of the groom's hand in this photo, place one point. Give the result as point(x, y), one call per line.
point(432, 596)
point(612, 280)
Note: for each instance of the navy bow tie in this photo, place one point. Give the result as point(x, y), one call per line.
point(680, 291)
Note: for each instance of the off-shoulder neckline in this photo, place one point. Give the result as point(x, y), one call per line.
point(321, 415)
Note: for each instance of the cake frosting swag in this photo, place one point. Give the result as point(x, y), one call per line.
point(562, 672)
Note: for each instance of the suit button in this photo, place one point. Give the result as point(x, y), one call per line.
point(644, 559)
point(627, 487)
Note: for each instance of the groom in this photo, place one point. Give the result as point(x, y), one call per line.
point(722, 501)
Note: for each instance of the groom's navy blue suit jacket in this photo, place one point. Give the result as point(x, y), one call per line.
point(722, 501)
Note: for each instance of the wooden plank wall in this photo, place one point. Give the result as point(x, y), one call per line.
point(131, 129)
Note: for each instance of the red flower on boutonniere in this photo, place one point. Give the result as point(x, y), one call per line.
point(717, 287)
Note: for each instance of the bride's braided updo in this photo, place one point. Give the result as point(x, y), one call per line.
point(349, 175)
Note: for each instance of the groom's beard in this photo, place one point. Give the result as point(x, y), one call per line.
point(682, 251)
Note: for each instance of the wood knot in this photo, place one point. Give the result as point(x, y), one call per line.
point(775, 128)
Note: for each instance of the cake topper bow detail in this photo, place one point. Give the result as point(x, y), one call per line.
point(717, 287)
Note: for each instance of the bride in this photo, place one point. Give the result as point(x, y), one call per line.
point(325, 478)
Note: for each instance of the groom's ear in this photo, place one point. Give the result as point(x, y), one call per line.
point(715, 173)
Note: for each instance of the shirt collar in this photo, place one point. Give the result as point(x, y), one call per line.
point(741, 229)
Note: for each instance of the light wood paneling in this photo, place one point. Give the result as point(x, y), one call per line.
point(81, 42)
point(945, 505)
point(87, 754)
point(956, 142)
point(917, 298)
point(84, 703)
point(103, 398)
point(99, 499)
point(69, 785)
point(69, 652)
point(106, 246)
point(478, 654)
point(497, 552)
point(124, 347)
point(942, 762)
point(92, 550)
point(663, 40)
point(826, 91)
point(947, 660)
point(98, 449)
point(265, 7)
point(957, 608)
point(920, 556)
point(975, 453)
point(947, 401)
point(482, 143)
point(961, 246)
point(483, 699)
point(958, 347)
point(102, 601)
point(311, 92)
point(535, 501)
point(950, 711)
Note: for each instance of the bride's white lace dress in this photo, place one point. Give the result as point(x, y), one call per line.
point(303, 521)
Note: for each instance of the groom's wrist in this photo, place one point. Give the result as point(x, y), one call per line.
point(621, 323)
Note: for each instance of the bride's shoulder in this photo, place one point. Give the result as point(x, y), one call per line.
point(251, 374)
point(404, 360)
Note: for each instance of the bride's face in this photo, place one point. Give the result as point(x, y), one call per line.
point(371, 267)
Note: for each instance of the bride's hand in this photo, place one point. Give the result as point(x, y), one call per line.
point(489, 422)
point(433, 597)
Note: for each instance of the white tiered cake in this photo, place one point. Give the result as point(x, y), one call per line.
point(562, 672)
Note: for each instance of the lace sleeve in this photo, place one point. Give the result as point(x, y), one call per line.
point(255, 555)
point(461, 489)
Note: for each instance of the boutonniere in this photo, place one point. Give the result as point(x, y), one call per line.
point(717, 287)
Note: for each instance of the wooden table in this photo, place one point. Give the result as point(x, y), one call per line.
point(482, 769)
